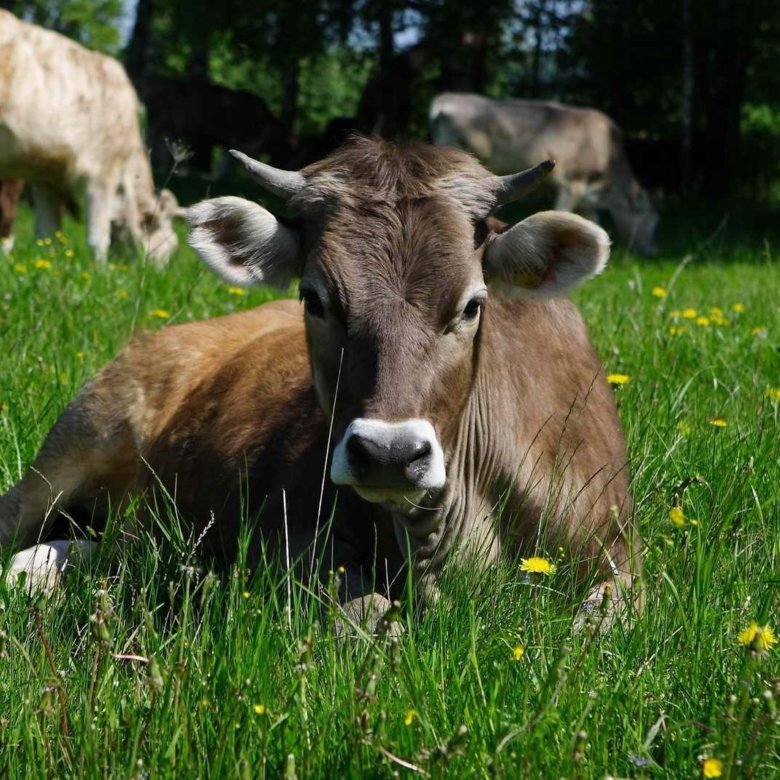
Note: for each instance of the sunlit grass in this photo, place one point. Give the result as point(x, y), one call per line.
point(156, 669)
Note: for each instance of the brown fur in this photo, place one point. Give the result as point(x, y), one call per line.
point(10, 192)
point(231, 413)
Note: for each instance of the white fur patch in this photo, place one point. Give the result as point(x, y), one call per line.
point(44, 564)
point(242, 242)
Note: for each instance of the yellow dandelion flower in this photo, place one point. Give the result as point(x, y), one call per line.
point(537, 566)
point(757, 637)
point(518, 653)
point(618, 379)
point(712, 767)
point(245, 594)
point(716, 311)
point(703, 322)
point(675, 314)
point(684, 428)
point(121, 294)
point(773, 393)
point(42, 264)
point(677, 516)
point(68, 253)
point(739, 308)
point(260, 709)
point(79, 356)
point(86, 276)
point(658, 292)
point(39, 242)
point(718, 422)
point(719, 320)
point(690, 314)
point(160, 314)
point(20, 268)
point(236, 291)
point(409, 717)
point(47, 242)
point(760, 332)
point(678, 330)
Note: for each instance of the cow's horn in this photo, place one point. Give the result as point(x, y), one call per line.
point(511, 188)
point(282, 183)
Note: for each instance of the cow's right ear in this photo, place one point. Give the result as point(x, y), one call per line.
point(244, 243)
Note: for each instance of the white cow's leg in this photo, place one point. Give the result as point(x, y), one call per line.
point(43, 565)
point(100, 204)
point(565, 199)
point(7, 243)
point(48, 214)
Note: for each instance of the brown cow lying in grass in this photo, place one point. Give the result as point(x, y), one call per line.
point(435, 352)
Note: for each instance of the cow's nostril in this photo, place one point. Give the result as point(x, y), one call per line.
point(420, 449)
point(358, 454)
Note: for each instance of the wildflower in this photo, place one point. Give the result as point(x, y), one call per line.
point(409, 717)
point(518, 653)
point(160, 314)
point(658, 292)
point(739, 308)
point(537, 566)
point(39, 242)
point(773, 393)
point(719, 319)
point(245, 594)
point(79, 356)
point(712, 767)
point(718, 422)
point(678, 330)
point(236, 291)
point(42, 264)
point(757, 637)
point(86, 276)
point(704, 322)
point(618, 379)
point(677, 516)
point(20, 268)
point(58, 234)
point(68, 253)
point(260, 709)
point(47, 241)
point(121, 294)
point(716, 311)
point(689, 314)
point(760, 332)
point(684, 428)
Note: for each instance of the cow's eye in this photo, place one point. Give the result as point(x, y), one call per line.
point(473, 308)
point(312, 302)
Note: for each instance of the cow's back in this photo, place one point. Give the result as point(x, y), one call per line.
point(64, 110)
point(509, 135)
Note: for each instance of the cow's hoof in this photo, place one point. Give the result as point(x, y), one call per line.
point(602, 608)
point(40, 568)
point(374, 614)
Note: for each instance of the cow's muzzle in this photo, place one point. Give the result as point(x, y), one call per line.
point(388, 461)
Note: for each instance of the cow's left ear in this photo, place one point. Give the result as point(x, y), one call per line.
point(546, 255)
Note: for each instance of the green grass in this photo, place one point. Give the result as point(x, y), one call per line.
point(447, 698)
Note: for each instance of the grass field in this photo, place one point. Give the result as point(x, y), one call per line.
point(232, 684)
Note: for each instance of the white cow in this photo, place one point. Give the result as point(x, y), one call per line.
point(592, 171)
point(69, 125)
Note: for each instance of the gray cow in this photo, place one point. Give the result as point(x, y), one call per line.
point(592, 171)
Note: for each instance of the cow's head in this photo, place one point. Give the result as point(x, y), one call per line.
point(396, 260)
point(635, 216)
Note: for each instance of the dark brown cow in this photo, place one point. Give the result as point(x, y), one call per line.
point(10, 192)
point(456, 378)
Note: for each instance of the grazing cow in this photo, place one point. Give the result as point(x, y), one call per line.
point(10, 192)
point(591, 172)
point(69, 123)
point(435, 351)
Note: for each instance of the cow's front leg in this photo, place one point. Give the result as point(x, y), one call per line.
point(41, 567)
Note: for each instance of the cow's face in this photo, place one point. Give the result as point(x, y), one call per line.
point(395, 260)
point(635, 217)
